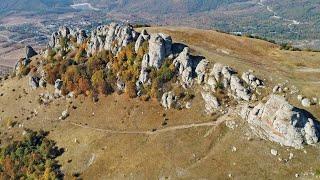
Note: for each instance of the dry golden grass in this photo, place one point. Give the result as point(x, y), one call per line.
point(191, 153)
point(266, 59)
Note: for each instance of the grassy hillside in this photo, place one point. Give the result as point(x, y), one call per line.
point(123, 138)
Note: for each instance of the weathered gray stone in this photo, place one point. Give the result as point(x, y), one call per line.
point(306, 102)
point(211, 102)
point(58, 84)
point(168, 99)
point(280, 122)
point(159, 48)
point(201, 70)
point(239, 90)
point(34, 82)
point(144, 36)
point(184, 64)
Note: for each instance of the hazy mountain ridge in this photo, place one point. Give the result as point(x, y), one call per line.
point(284, 21)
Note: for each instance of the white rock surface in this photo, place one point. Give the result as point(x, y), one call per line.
point(306, 102)
point(167, 100)
point(278, 121)
point(211, 102)
point(274, 152)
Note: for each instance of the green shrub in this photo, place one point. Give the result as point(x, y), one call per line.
point(31, 158)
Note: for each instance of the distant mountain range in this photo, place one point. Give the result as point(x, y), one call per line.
point(32, 5)
point(296, 21)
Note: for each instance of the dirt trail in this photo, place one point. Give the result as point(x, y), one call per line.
point(159, 131)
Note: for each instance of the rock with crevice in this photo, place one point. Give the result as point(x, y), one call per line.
point(34, 82)
point(184, 65)
point(168, 99)
point(159, 48)
point(144, 36)
point(201, 70)
point(278, 121)
point(252, 80)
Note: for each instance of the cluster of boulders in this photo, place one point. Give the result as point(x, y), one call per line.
point(110, 37)
point(281, 122)
point(306, 102)
point(252, 80)
point(64, 34)
point(225, 78)
point(45, 98)
point(160, 47)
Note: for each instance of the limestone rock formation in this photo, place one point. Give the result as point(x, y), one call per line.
point(144, 36)
point(184, 65)
point(168, 99)
point(252, 80)
point(278, 121)
point(211, 102)
point(201, 70)
point(159, 48)
point(56, 37)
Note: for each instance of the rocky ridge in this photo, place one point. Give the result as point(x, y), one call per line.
point(275, 120)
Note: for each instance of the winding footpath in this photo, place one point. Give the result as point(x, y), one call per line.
point(154, 132)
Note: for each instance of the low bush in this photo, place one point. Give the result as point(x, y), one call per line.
point(31, 158)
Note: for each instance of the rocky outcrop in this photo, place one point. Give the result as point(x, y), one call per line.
point(144, 36)
point(159, 48)
point(239, 91)
point(211, 102)
point(62, 33)
point(34, 82)
point(226, 78)
point(184, 65)
point(252, 80)
point(201, 70)
point(168, 99)
point(278, 121)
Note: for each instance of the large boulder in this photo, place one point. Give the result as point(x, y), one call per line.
point(168, 99)
point(240, 92)
point(211, 102)
point(144, 36)
point(201, 70)
point(34, 82)
point(58, 84)
point(184, 65)
point(278, 121)
point(159, 48)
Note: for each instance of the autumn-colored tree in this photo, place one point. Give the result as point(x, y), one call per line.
point(98, 82)
point(71, 77)
point(131, 89)
point(83, 84)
